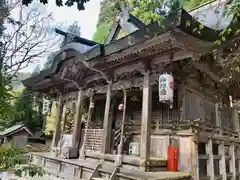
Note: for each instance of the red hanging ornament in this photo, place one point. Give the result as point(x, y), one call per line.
point(171, 85)
point(120, 107)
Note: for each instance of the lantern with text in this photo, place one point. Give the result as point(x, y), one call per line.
point(166, 88)
point(46, 104)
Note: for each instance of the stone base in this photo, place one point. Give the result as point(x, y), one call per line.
point(55, 151)
point(82, 153)
point(119, 159)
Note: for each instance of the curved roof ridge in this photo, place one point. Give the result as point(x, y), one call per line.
point(81, 39)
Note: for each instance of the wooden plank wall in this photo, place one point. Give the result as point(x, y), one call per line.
point(198, 106)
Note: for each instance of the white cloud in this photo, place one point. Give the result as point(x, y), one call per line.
point(87, 19)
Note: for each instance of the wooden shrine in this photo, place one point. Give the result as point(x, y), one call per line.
point(112, 89)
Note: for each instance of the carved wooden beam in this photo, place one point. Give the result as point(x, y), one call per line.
point(128, 68)
point(130, 83)
point(72, 96)
point(179, 55)
point(206, 69)
point(136, 49)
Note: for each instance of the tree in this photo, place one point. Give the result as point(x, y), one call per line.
point(59, 3)
point(75, 30)
point(49, 60)
point(25, 109)
point(13, 159)
point(51, 119)
point(26, 112)
point(26, 41)
point(102, 31)
point(146, 11)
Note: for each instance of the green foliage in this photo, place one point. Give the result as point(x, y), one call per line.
point(102, 32)
point(25, 111)
point(145, 10)
point(108, 12)
point(80, 3)
point(50, 120)
point(6, 95)
point(13, 158)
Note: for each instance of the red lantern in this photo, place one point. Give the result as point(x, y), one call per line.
point(120, 107)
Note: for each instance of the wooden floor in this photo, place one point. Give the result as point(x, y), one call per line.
point(108, 168)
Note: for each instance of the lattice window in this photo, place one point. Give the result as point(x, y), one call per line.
point(98, 115)
point(209, 112)
point(135, 108)
point(193, 106)
point(196, 106)
point(226, 119)
point(162, 112)
point(93, 139)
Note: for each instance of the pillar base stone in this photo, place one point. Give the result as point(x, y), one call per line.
point(82, 154)
point(119, 159)
point(54, 151)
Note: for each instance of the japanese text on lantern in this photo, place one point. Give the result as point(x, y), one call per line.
point(163, 86)
point(166, 88)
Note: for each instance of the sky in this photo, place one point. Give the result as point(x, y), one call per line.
point(87, 20)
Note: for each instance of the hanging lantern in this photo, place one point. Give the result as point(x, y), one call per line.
point(166, 88)
point(120, 107)
point(46, 106)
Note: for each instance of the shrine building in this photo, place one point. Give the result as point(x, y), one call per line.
point(148, 101)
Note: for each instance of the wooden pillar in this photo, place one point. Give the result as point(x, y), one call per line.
point(120, 146)
point(146, 121)
point(107, 124)
point(232, 161)
point(77, 123)
point(210, 163)
point(238, 161)
point(57, 133)
point(64, 120)
point(218, 116)
point(194, 159)
point(182, 97)
point(235, 119)
point(89, 118)
point(222, 162)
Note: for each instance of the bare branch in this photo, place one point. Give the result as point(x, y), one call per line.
point(28, 40)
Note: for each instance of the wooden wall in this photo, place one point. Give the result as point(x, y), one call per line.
point(18, 140)
point(199, 106)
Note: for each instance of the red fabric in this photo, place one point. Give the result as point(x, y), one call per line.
point(172, 164)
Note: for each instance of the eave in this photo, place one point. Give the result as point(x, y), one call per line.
point(174, 31)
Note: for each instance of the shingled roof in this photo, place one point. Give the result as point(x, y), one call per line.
point(182, 21)
point(15, 129)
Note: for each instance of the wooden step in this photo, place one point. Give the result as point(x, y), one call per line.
point(128, 159)
point(87, 168)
